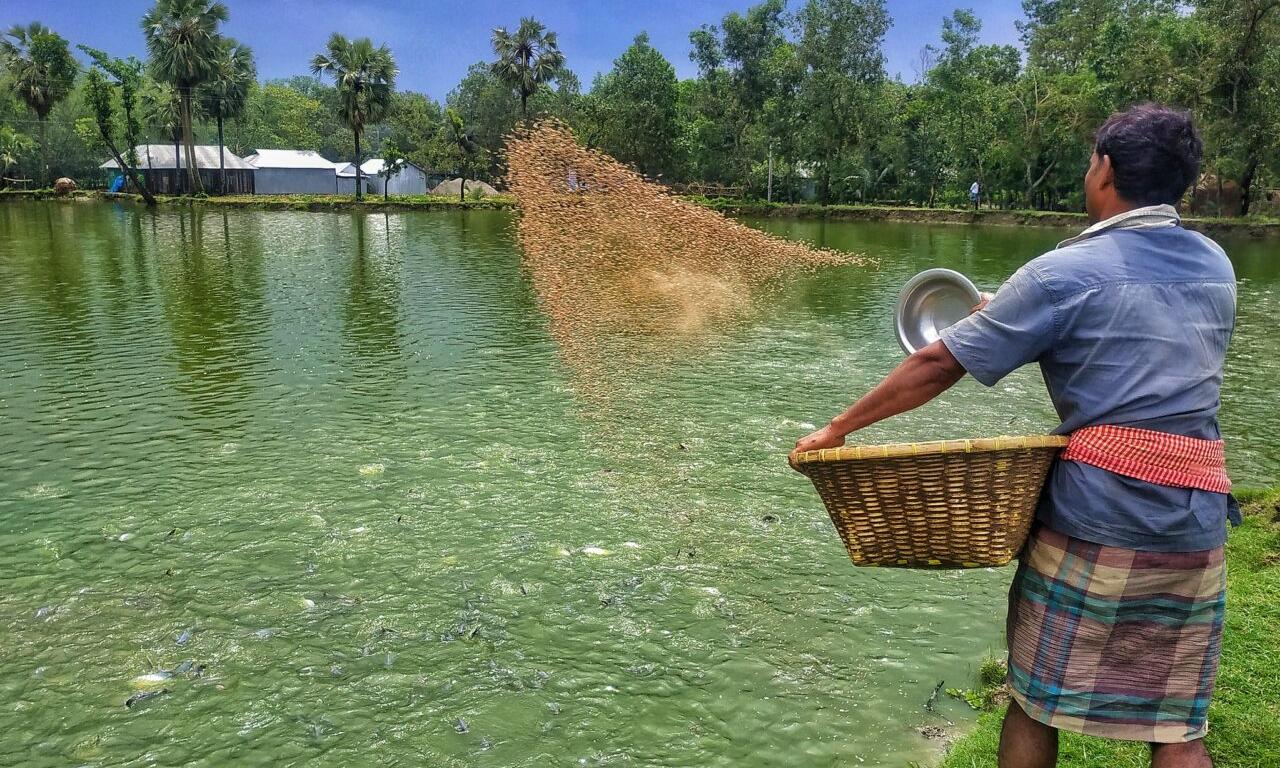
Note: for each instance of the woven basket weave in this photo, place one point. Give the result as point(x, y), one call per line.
point(945, 504)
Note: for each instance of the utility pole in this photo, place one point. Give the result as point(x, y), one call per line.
point(769, 193)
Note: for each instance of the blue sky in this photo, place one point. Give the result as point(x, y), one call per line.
point(434, 41)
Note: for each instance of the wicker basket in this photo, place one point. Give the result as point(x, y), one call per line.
point(945, 504)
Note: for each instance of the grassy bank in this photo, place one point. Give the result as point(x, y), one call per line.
point(371, 203)
point(1252, 227)
point(1244, 719)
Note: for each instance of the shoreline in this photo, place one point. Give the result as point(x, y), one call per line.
point(1248, 227)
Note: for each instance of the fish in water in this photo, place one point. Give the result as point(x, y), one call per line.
point(461, 726)
point(138, 698)
point(185, 637)
point(188, 667)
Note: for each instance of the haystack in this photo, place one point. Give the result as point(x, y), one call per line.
point(453, 187)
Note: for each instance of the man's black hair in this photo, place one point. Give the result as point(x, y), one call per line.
point(1155, 151)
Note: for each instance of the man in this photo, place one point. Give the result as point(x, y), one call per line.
point(975, 190)
point(1115, 613)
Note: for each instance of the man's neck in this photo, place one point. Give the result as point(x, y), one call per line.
point(1115, 208)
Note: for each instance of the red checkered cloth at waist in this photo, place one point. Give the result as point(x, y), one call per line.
point(1156, 457)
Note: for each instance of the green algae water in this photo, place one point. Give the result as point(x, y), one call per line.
point(322, 480)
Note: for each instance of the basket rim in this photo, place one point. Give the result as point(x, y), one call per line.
point(894, 450)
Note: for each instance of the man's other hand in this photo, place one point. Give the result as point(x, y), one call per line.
point(981, 305)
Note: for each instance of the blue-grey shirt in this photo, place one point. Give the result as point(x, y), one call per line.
point(1130, 327)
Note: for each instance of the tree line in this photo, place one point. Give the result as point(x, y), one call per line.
point(791, 101)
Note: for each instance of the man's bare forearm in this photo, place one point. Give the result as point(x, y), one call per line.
point(917, 380)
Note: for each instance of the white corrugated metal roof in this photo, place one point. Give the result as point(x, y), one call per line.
point(288, 158)
point(373, 166)
point(162, 156)
point(345, 169)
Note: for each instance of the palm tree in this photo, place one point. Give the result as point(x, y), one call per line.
point(366, 79)
point(526, 59)
point(183, 42)
point(42, 72)
point(13, 146)
point(225, 95)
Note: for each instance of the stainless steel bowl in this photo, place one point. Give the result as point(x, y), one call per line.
point(931, 301)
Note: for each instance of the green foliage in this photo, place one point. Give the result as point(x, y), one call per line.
point(527, 58)
point(277, 116)
point(365, 77)
point(225, 93)
point(796, 85)
point(128, 77)
point(635, 112)
point(990, 691)
point(41, 73)
point(40, 67)
point(413, 126)
point(13, 147)
point(185, 50)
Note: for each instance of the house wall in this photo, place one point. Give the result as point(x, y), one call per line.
point(295, 181)
point(166, 181)
point(409, 181)
point(346, 185)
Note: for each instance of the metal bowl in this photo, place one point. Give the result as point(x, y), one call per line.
point(931, 301)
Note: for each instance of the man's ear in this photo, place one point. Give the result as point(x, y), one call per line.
point(1106, 173)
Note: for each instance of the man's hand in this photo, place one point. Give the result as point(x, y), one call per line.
point(981, 305)
point(917, 380)
point(826, 437)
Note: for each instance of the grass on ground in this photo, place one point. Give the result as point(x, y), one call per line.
point(1244, 719)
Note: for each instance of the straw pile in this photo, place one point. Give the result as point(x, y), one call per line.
point(620, 265)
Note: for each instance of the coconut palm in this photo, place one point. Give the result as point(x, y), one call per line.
point(526, 59)
point(184, 45)
point(41, 71)
point(366, 79)
point(13, 146)
point(225, 95)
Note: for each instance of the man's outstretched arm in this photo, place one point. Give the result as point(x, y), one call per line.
point(917, 380)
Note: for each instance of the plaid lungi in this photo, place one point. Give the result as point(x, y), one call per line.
point(1115, 642)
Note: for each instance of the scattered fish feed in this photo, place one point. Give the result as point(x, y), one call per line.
point(626, 272)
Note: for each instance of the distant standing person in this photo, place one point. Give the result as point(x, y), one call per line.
point(1116, 610)
point(975, 191)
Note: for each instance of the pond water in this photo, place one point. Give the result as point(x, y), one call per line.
point(334, 462)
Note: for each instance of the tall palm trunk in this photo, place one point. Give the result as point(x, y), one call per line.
point(44, 179)
point(356, 131)
point(177, 160)
point(222, 161)
point(188, 140)
point(524, 105)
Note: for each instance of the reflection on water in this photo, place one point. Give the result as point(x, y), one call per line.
point(336, 460)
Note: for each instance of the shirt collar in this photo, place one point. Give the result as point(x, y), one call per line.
point(1147, 217)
